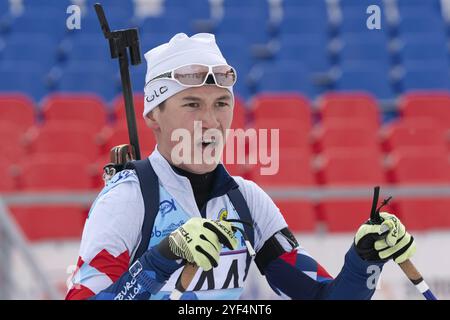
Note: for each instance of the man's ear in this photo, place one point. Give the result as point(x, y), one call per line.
point(151, 119)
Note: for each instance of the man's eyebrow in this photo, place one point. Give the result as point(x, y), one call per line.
point(224, 97)
point(191, 98)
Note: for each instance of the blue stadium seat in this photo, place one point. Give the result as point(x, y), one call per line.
point(239, 3)
point(354, 19)
point(285, 76)
point(304, 20)
point(87, 47)
point(252, 23)
point(235, 48)
point(90, 24)
point(4, 7)
point(23, 76)
point(167, 23)
point(39, 48)
point(126, 7)
point(417, 21)
point(100, 78)
point(309, 49)
point(424, 47)
point(51, 22)
point(427, 5)
point(137, 75)
point(150, 40)
point(366, 76)
point(320, 5)
point(199, 9)
point(368, 45)
point(429, 75)
point(359, 3)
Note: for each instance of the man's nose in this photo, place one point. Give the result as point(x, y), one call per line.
point(209, 119)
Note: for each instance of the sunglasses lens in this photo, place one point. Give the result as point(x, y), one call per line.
point(192, 75)
point(225, 75)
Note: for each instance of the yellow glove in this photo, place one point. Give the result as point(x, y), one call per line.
point(199, 241)
point(388, 240)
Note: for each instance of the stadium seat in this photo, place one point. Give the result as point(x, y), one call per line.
point(19, 76)
point(11, 143)
point(354, 107)
point(412, 48)
point(8, 182)
point(345, 167)
point(87, 46)
point(365, 46)
point(197, 9)
point(55, 173)
point(32, 21)
point(282, 106)
point(432, 104)
point(294, 169)
point(302, 20)
point(344, 215)
point(429, 75)
point(40, 223)
point(239, 113)
point(63, 138)
point(90, 77)
point(370, 76)
point(168, 22)
point(86, 108)
point(424, 214)
point(414, 133)
point(24, 47)
point(418, 20)
point(250, 21)
point(285, 76)
point(290, 134)
point(344, 134)
point(310, 49)
point(17, 109)
point(118, 107)
point(354, 16)
point(299, 215)
point(113, 136)
point(416, 166)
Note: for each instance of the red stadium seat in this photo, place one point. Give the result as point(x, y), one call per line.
point(17, 109)
point(50, 222)
point(8, 181)
point(351, 167)
point(86, 108)
point(289, 133)
point(11, 143)
point(344, 215)
point(412, 166)
point(239, 114)
point(353, 107)
point(54, 173)
point(424, 214)
point(342, 134)
point(281, 107)
point(414, 133)
point(119, 107)
point(299, 215)
point(58, 137)
point(435, 105)
point(294, 169)
point(113, 136)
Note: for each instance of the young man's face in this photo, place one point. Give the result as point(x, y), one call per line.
point(198, 115)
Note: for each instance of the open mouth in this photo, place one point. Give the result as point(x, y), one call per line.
point(207, 142)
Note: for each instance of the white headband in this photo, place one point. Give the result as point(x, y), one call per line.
point(181, 50)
